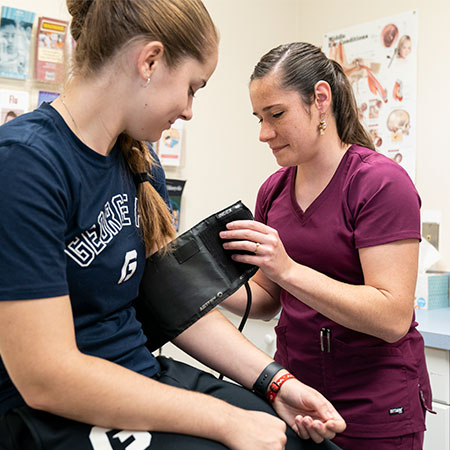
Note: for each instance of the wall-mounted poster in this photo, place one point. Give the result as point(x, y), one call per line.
point(13, 104)
point(380, 60)
point(15, 40)
point(50, 50)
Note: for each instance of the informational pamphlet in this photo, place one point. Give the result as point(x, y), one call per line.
point(50, 50)
point(15, 40)
point(169, 146)
point(175, 189)
point(13, 104)
point(46, 96)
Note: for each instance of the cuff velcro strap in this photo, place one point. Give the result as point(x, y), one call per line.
point(263, 381)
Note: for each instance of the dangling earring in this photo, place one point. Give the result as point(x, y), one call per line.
point(147, 82)
point(322, 124)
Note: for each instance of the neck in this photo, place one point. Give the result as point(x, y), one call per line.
point(314, 175)
point(90, 113)
point(325, 161)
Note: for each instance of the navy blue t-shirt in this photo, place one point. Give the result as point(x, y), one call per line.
point(69, 226)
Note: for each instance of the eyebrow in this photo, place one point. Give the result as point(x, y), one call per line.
point(266, 108)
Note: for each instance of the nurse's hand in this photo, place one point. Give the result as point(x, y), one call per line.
point(262, 244)
point(307, 411)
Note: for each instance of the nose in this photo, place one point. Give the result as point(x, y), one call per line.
point(187, 112)
point(266, 133)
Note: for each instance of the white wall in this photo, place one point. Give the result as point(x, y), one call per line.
point(224, 161)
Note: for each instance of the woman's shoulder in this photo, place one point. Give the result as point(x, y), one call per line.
point(368, 164)
point(37, 129)
point(372, 175)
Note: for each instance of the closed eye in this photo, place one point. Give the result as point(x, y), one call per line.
point(277, 115)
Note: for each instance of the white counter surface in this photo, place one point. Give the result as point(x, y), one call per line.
point(434, 325)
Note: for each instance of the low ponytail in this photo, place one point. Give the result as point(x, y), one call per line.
point(155, 219)
point(345, 111)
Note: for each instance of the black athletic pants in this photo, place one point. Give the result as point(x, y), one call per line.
point(28, 429)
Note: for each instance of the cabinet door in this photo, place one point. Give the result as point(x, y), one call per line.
point(438, 365)
point(437, 436)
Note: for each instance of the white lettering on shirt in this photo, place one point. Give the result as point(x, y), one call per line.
point(100, 439)
point(110, 221)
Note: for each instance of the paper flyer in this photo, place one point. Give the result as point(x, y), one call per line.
point(13, 104)
point(170, 144)
point(46, 96)
point(15, 40)
point(175, 189)
point(380, 61)
point(50, 50)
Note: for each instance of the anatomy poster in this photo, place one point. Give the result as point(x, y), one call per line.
point(380, 60)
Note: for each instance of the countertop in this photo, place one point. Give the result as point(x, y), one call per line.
point(434, 325)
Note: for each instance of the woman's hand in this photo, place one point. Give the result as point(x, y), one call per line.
point(263, 244)
point(250, 430)
point(308, 412)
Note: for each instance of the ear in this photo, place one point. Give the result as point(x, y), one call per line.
point(322, 96)
point(149, 56)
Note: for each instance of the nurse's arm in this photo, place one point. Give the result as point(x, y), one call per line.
point(382, 306)
point(265, 298)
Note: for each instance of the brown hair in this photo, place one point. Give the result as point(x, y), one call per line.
point(301, 66)
point(101, 28)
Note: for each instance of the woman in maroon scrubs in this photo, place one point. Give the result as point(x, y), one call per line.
point(336, 239)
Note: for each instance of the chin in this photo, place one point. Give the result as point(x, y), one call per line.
point(285, 162)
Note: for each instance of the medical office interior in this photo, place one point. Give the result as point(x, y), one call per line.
point(222, 160)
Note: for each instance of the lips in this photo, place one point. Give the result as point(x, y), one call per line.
point(277, 148)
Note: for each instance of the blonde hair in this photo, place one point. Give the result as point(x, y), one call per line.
point(101, 28)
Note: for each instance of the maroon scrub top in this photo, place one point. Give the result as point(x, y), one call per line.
point(381, 389)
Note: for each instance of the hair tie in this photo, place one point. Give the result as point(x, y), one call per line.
point(141, 177)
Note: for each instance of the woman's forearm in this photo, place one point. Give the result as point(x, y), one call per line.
point(265, 299)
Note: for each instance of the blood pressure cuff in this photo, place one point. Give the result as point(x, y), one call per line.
point(197, 273)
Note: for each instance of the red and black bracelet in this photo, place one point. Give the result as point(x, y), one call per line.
point(275, 386)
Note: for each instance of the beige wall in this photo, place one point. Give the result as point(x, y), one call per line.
point(224, 161)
